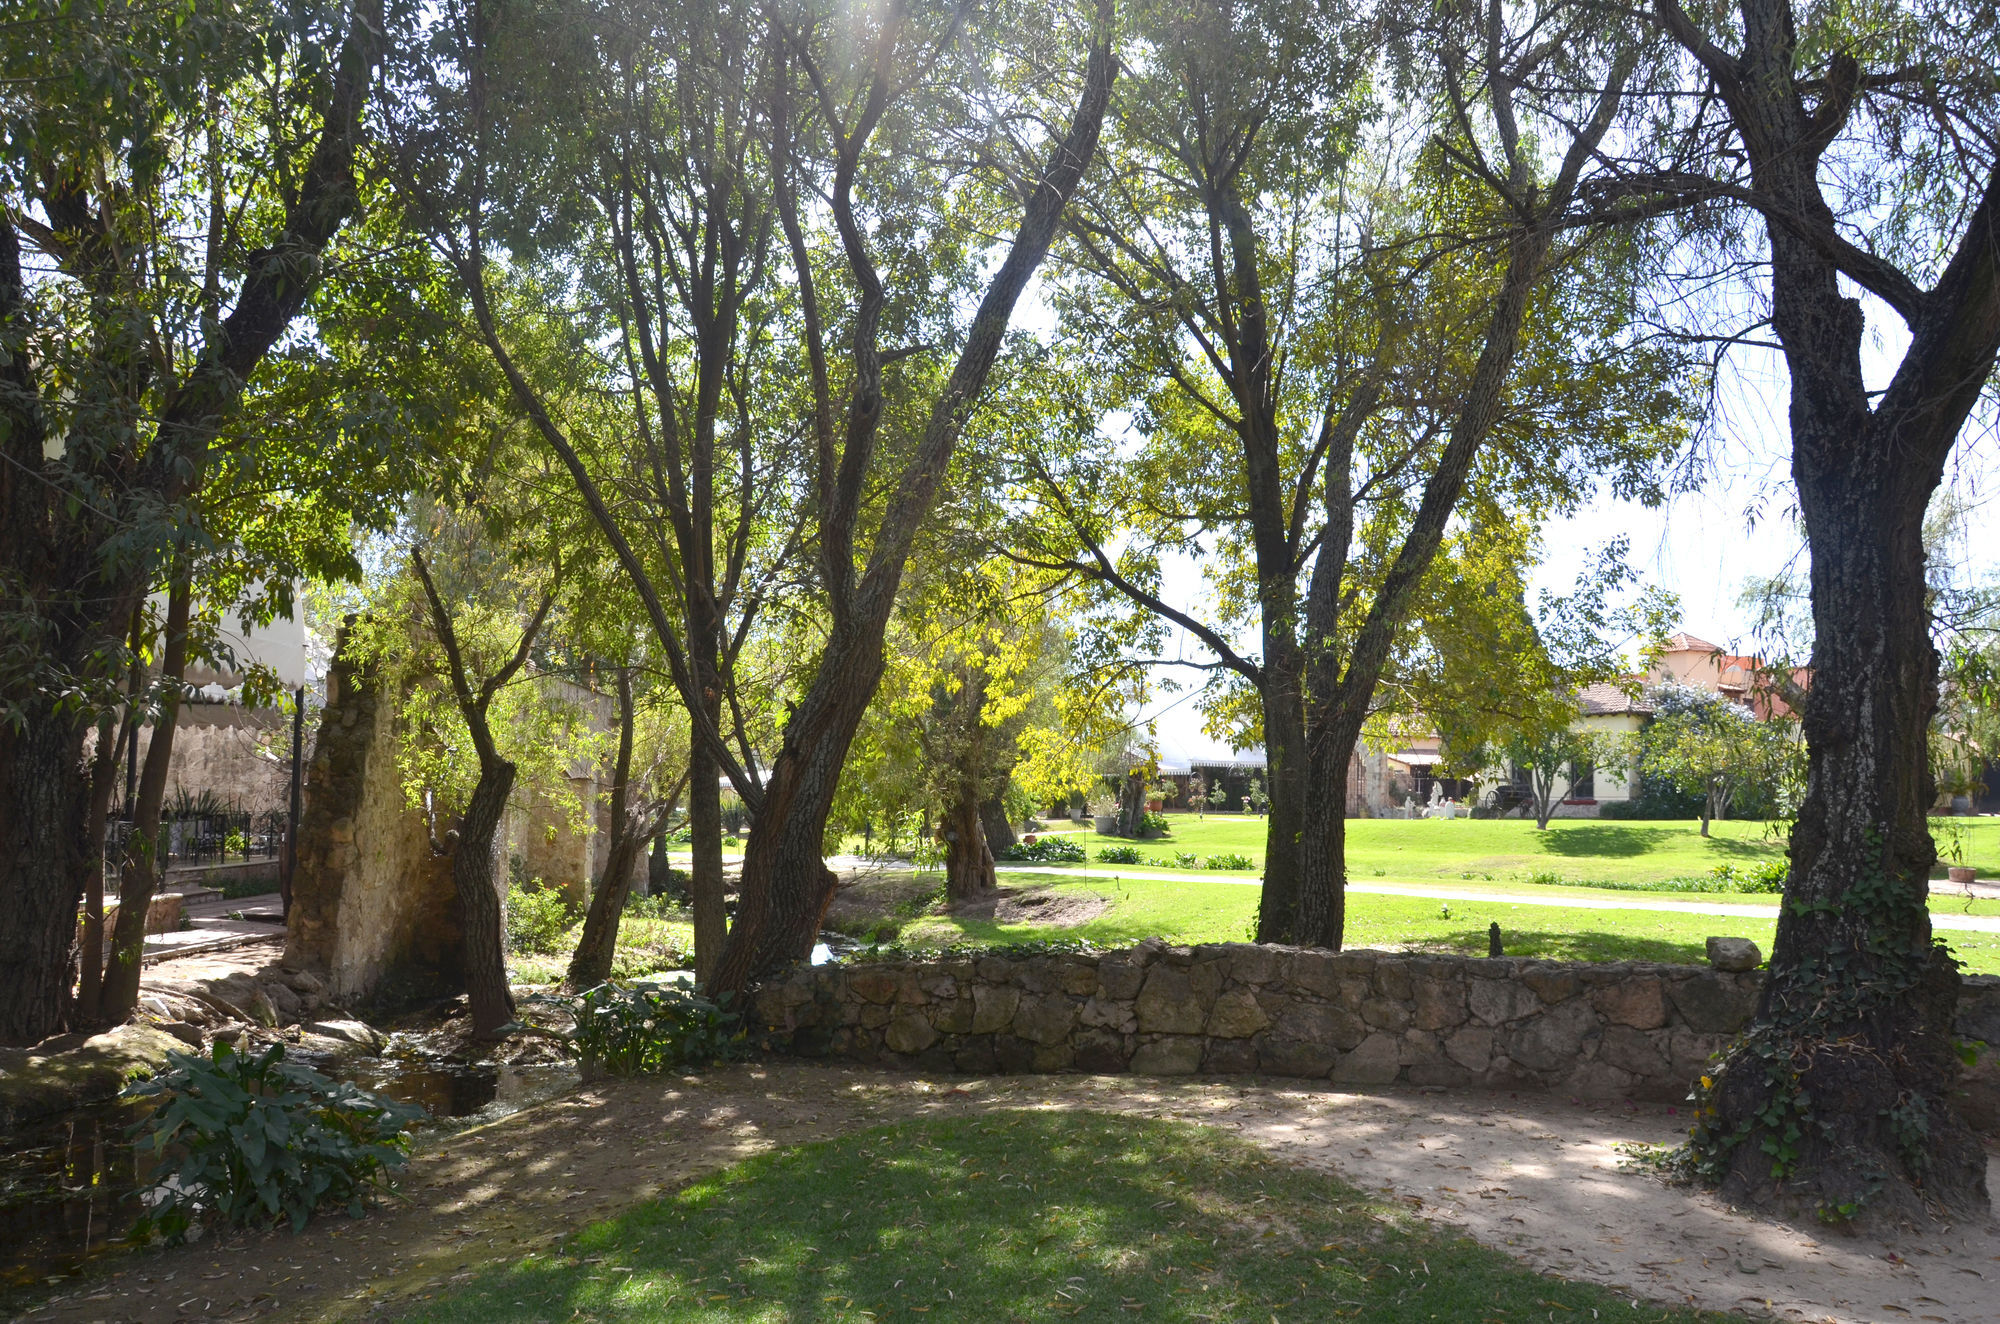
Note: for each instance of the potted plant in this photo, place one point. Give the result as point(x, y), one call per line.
point(1951, 849)
point(1104, 814)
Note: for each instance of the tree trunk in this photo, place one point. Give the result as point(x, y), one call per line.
point(968, 861)
point(90, 957)
point(1132, 805)
point(705, 878)
point(1286, 782)
point(43, 795)
point(472, 876)
point(590, 964)
point(145, 860)
point(999, 832)
point(1322, 915)
point(785, 886)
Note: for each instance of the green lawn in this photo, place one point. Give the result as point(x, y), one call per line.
point(645, 946)
point(1025, 1215)
point(1198, 910)
point(1574, 851)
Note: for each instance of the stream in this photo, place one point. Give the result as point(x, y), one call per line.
point(69, 1185)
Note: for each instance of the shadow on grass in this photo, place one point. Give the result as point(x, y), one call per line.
point(1579, 945)
point(1612, 840)
point(1016, 1215)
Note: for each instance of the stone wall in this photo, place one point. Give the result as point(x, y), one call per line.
point(1609, 1030)
point(373, 912)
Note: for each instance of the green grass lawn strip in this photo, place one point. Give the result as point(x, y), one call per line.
point(1205, 911)
point(1026, 1215)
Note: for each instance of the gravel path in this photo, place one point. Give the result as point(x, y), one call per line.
point(1537, 1176)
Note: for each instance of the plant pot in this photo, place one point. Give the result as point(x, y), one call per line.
point(1106, 824)
point(1961, 874)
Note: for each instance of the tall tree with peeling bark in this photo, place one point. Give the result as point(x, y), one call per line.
point(1338, 353)
point(1863, 146)
point(171, 180)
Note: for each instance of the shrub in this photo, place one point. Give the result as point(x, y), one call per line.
point(1119, 855)
point(631, 1031)
point(657, 906)
point(1047, 850)
point(1186, 859)
point(1230, 860)
point(260, 1138)
point(537, 920)
point(1154, 824)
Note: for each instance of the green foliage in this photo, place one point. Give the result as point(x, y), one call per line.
point(1047, 850)
point(1186, 859)
point(537, 919)
point(645, 1029)
point(1119, 855)
point(1155, 824)
point(259, 1138)
point(1229, 860)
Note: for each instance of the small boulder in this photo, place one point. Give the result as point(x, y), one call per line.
point(1734, 954)
point(352, 1032)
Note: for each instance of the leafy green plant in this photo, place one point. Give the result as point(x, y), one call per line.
point(657, 906)
point(260, 1138)
point(537, 919)
point(1229, 860)
point(1047, 850)
point(1119, 855)
point(1186, 859)
point(642, 1029)
point(1155, 824)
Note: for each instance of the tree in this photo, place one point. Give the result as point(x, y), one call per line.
point(1555, 754)
point(160, 234)
point(1332, 357)
point(489, 999)
point(1846, 134)
point(1707, 746)
point(642, 798)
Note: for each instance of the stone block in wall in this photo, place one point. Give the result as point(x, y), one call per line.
point(1119, 977)
point(1599, 1080)
point(1168, 1054)
point(1077, 977)
point(910, 1033)
point(1045, 1018)
point(1387, 1014)
point(953, 1015)
point(1168, 1005)
point(872, 984)
point(1556, 1039)
point(1498, 1001)
point(1103, 1050)
point(1551, 983)
point(1236, 1015)
point(1247, 963)
point(1439, 1004)
point(1230, 1057)
point(993, 1007)
point(1392, 981)
point(1713, 1003)
point(1377, 1060)
point(1471, 1047)
point(1295, 1057)
point(1310, 971)
point(1640, 1002)
point(1632, 1050)
point(1100, 1013)
point(1317, 1022)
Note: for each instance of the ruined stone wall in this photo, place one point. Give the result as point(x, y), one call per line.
point(373, 913)
point(1610, 1030)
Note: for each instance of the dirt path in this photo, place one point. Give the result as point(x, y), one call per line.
point(1535, 1175)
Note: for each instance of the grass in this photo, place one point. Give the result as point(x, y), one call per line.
point(1195, 910)
point(645, 947)
point(1025, 1215)
point(1572, 851)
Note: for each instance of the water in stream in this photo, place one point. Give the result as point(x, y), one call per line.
point(69, 1186)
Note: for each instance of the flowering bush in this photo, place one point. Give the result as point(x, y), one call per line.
point(644, 1029)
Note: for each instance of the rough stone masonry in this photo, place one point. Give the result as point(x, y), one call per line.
point(1599, 1030)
